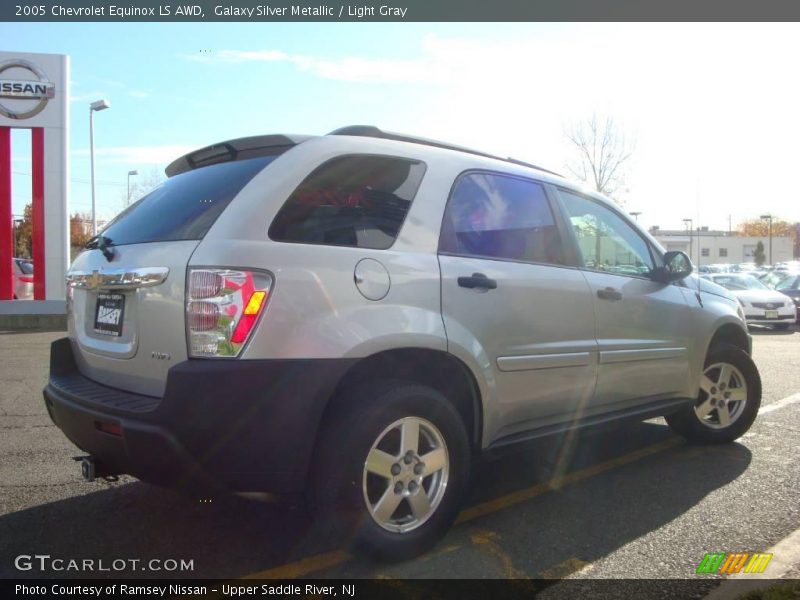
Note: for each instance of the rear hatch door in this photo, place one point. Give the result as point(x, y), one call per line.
point(126, 292)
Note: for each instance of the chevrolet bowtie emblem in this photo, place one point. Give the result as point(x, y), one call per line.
point(93, 281)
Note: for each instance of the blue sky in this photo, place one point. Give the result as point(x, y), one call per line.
point(712, 108)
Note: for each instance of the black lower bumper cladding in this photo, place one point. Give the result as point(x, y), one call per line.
point(245, 425)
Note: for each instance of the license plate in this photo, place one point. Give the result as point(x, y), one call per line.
point(772, 314)
point(108, 316)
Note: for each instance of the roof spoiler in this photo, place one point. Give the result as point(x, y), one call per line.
point(372, 131)
point(238, 149)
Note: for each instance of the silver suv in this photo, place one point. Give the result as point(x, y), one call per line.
point(359, 315)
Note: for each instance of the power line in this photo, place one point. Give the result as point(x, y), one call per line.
point(76, 180)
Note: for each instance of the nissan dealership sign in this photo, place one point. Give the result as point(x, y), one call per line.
point(34, 102)
point(27, 93)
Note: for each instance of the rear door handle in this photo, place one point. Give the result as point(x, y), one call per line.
point(478, 280)
point(609, 293)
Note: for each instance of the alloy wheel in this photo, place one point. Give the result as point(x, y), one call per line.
point(723, 395)
point(405, 474)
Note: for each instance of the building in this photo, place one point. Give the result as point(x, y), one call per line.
point(707, 247)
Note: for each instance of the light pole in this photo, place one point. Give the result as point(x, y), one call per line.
point(769, 217)
point(134, 172)
point(635, 214)
point(689, 223)
point(94, 107)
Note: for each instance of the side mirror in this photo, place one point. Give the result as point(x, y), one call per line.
point(676, 266)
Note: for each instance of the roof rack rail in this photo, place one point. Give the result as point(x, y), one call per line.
point(372, 131)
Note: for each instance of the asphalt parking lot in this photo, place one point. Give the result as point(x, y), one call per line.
point(630, 502)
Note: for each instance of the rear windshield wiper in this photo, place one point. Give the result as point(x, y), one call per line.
point(102, 243)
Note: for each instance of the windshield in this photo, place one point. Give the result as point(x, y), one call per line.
point(184, 207)
point(788, 283)
point(740, 282)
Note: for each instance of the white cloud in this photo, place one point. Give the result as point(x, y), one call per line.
point(426, 69)
point(239, 56)
point(87, 97)
point(139, 94)
point(138, 155)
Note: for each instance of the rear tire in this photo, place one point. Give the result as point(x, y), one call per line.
point(391, 465)
point(728, 401)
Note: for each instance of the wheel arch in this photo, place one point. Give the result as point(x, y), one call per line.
point(440, 370)
point(731, 334)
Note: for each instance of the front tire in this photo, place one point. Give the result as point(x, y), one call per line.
point(391, 466)
point(728, 400)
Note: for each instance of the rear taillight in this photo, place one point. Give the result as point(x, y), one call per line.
point(203, 316)
point(204, 284)
point(222, 308)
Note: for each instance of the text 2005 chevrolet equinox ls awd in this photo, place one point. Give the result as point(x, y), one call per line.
point(358, 315)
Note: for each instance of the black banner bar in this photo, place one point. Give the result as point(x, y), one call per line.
point(390, 589)
point(396, 10)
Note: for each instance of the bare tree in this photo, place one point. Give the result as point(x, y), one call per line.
point(602, 152)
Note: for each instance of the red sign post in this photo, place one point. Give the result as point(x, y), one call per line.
point(6, 225)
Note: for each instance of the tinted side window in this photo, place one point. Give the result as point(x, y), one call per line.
point(606, 241)
point(358, 201)
point(185, 206)
point(500, 217)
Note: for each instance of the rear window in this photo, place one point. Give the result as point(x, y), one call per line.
point(184, 207)
point(356, 200)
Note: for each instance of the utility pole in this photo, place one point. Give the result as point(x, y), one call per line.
point(769, 218)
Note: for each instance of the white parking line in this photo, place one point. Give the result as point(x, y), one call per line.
point(793, 399)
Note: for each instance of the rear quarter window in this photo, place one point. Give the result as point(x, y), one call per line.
point(359, 201)
point(185, 206)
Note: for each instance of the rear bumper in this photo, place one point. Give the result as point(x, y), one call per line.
point(245, 425)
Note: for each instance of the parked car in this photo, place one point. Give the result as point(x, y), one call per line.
point(789, 265)
point(790, 286)
point(718, 268)
point(358, 316)
point(774, 276)
point(22, 269)
point(762, 305)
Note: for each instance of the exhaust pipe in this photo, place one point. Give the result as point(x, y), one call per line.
point(92, 469)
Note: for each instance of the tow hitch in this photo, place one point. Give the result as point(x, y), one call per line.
point(92, 469)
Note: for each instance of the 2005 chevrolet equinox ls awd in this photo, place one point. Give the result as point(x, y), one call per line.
point(357, 316)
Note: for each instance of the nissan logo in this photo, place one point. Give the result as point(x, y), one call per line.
point(40, 89)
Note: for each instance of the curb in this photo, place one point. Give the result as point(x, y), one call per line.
point(33, 323)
